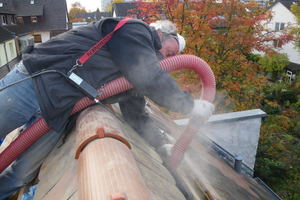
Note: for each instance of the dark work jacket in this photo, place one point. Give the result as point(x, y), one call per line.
point(132, 53)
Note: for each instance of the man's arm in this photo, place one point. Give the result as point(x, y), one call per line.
point(133, 51)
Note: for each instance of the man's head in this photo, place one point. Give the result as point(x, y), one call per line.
point(172, 42)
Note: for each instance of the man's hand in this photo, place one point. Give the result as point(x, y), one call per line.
point(202, 110)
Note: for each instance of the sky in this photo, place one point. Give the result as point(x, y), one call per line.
point(90, 5)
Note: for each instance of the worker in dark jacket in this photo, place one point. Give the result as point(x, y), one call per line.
point(133, 52)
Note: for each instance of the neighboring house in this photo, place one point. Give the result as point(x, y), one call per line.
point(93, 16)
point(42, 19)
point(292, 70)
point(282, 18)
point(122, 9)
point(26, 22)
point(8, 52)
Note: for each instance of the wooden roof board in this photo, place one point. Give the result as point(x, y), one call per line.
point(202, 164)
point(202, 170)
point(58, 173)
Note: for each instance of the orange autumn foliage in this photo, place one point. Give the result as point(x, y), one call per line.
point(222, 34)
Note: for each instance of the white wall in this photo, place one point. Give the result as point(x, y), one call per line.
point(11, 50)
point(3, 60)
point(283, 15)
point(45, 35)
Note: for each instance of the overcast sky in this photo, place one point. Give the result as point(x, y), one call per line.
point(90, 5)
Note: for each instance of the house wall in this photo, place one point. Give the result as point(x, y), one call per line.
point(3, 59)
point(11, 50)
point(45, 35)
point(283, 15)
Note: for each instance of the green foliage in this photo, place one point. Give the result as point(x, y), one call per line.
point(295, 8)
point(274, 64)
point(278, 157)
point(253, 57)
point(224, 35)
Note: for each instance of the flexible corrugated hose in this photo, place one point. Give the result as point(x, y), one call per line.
point(40, 127)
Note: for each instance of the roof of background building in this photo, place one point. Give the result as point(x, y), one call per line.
point(94, 15)
point(8, 7)
point(53, 12)
point(121, 9)
point(293, 67)
point(286, 3)
point(5, 34)
point(20, 29)
point(30, 10)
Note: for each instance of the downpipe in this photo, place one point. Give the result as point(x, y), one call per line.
point(40, 127)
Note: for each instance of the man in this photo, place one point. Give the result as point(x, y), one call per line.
point(132, 52)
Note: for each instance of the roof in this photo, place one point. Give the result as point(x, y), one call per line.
point(286, 3)
point(52, 12)
point(30, 10)
point(199, 175)
point(8, 7)
point(20, 29)
point(94, 15)
point(5, 34)
point(293, 67)
point(121, 9)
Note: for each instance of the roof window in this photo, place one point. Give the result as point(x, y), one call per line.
point(31, 2)
point(1, 4)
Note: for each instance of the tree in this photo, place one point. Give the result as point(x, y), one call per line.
point(296, 30)
point(222, 34)
point(225, 35)
point(108, 8)
point(274, 63)
point(76, 8)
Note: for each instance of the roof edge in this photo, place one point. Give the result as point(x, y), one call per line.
point(231, 116)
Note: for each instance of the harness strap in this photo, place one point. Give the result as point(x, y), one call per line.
point(101, 43)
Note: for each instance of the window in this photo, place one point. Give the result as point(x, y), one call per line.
point(9, 19)
point(31, 2)
point(279, 26)
point(1, 4)
point(20, 20)
point(37, 38)
point(11, 48)
point(5, 19)
point(33, 19)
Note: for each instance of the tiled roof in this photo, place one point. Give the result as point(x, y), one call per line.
point(54, 14)
point(30, 10)
point(286, 3)
point(20, 29)
point(121, 9)
point(293, 67)
point(8, 7)
point(5, 34)
point(94, 15)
